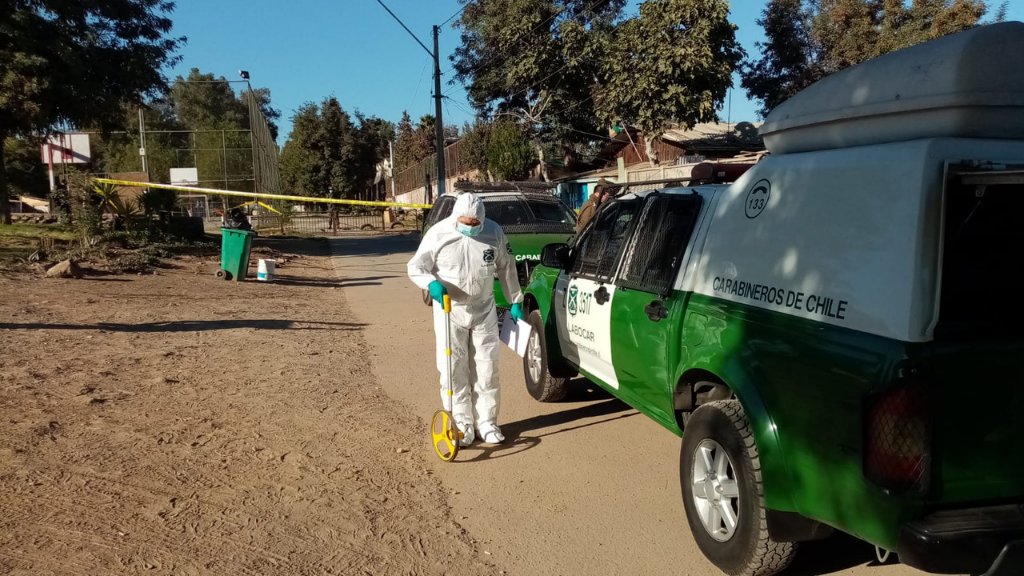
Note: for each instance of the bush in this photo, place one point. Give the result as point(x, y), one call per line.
point(158, 201)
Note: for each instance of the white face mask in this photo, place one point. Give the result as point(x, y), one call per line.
point(467, 229)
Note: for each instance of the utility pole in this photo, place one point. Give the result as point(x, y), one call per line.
point(438, 122)
point(391, 153)
point(142, 140)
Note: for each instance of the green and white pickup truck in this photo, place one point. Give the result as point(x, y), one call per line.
point(835, 334)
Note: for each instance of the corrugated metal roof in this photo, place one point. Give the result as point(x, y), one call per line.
point(744, 134)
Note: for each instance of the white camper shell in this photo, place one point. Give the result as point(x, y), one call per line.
point(962, 85)
point(849, 237)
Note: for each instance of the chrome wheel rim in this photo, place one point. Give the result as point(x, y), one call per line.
point(533, 356)
point(715, 492)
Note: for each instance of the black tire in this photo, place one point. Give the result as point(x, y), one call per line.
point(539, 382)
point(718, 429)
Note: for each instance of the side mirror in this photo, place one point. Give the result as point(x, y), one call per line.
point(555, 255)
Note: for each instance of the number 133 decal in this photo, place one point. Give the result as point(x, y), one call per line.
point(757, 198)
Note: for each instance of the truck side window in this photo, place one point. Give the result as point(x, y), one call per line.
point(507, 213)
point(662, 234)
point(597, 253)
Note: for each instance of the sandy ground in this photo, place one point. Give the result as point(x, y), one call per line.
point(177, 424)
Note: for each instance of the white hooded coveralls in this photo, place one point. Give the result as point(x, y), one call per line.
point(467, 266)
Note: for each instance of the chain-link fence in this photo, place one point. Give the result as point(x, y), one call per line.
point(319, 222)
point(299, 218)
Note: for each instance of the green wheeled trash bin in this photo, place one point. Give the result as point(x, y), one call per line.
point(235, 245)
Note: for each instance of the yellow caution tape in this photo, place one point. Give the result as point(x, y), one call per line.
point(217, 191)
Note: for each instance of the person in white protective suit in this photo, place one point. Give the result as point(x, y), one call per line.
point(460, 256)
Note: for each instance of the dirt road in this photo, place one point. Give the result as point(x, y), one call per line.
point(582, 487)
point(175, 424)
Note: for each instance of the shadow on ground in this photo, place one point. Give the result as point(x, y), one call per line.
point(600, 404)
point(330, 283)
point(379, 245)
point(292, 245)
point(188, 326)
point(834, 554)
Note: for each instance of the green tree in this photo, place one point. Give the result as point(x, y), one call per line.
point(67, 64)
point(474, 145)
point(510, 155)
point(374, 137)
point(409, 145)
point(426, 136)
point(221, 146)
point(26, 175)
point(565, 69)
point(338, 137)
point(671, 64)
point(535, 61)
point(925, 20)
point(787, 61)
point(301, 172)
point(327, 154)
point(808, 39)
point(204, 100)
point(846, 32)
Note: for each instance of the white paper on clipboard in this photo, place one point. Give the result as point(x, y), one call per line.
point(515, 335)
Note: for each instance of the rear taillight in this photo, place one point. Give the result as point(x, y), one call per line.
point(897, 440)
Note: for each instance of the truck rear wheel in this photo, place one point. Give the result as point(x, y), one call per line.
point(539, 382)
point(720, 473)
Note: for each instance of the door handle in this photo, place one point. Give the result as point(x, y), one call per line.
point(601, 295)
point(656, 311)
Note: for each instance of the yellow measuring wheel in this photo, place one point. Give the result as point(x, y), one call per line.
point(444, 433)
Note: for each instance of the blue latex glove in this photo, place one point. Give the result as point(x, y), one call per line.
point(516, 312)
point(437, 291)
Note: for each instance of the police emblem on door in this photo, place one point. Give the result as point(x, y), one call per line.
point(489, 255)
point(572, 300)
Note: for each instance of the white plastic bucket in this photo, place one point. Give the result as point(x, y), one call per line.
point(265, 270)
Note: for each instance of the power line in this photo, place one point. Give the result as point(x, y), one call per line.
point(459, 105)
point(521, 39)
point(457, 12)
point(429, 51)
point(601, 136)
point(412, 96)
point(508, 57)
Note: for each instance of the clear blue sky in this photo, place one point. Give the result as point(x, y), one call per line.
point(306, 50)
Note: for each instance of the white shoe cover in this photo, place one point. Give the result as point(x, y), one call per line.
point(493, 436)
point(468, 435)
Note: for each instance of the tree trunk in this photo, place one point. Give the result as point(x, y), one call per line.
point(5, 205)
point(540, 158)
point(652, 154)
